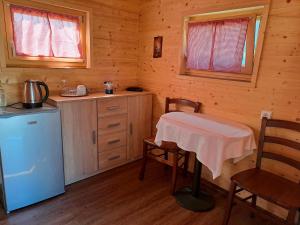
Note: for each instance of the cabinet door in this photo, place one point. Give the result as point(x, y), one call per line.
point(139, 124)
point(79, 126)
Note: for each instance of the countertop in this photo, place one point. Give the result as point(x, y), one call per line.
point(17, 110)
point(100, 95)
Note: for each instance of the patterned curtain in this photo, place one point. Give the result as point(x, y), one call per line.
point(44, 34)
point(217, 45)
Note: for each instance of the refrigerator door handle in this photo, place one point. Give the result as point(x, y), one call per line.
point(31, 122)
point(94, 137)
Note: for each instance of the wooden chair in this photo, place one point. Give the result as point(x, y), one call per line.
point(266, 185)
point(168, 147)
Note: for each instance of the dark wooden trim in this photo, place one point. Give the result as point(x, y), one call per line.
point(261, 141)
point(281, 158)
point(238, 190)
point(284, 124)
point(181, 101)
point(277, 140)
point(282, 141)
point(247, 198)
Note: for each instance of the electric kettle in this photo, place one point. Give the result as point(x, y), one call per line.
point(33, 96)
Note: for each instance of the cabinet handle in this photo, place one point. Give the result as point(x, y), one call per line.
point(114, 157)
point(32, 122)
point(113, 125)
point(112, 108)
point(131, 129)
point(113, 141)
point(94, 137)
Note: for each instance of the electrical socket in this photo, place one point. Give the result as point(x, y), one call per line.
point(265, 113)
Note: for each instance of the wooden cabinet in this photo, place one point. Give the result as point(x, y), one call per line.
point(101, 132)
point(112, 132)
point(79, 129)
point(139, 124)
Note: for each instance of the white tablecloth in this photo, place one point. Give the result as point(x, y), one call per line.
point(214, 140)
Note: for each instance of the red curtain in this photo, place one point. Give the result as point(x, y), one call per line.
point(41, 33)
point(65, 34)
point(31, 32)
point(216, 45)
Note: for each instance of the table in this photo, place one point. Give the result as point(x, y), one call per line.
point(213, 139)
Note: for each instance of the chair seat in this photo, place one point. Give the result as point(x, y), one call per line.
point(269, 186)
point(169, 146)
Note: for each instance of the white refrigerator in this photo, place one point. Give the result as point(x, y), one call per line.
point(31, 156)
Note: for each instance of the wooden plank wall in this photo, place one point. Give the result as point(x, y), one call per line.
point(278, 86)
point(114, 48)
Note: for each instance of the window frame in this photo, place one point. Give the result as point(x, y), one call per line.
point(250, 71)
point(13, 60)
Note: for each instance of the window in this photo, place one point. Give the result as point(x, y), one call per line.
point(225, 44)
point(41, 35)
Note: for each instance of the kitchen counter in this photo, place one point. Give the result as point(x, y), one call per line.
point(53, 100)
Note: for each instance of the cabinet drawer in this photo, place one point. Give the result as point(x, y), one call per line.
point(112, 157)
point(112, 106)
point(111, 124)
point(111, 141)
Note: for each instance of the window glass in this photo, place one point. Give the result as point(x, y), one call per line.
point(257, 25)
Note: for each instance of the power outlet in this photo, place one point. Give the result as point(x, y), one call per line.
point(265, 113)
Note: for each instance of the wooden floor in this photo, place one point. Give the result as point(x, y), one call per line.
point(117, 197)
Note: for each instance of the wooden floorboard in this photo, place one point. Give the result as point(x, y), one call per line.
point(117, 197)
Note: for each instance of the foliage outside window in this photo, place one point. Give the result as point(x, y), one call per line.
point(225, 44)
point(42, 35)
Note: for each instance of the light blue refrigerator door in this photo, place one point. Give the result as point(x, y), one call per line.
point(31, 155)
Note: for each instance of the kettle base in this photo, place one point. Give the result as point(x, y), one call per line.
point(32, 105)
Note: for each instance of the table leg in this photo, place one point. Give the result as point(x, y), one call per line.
point(196, 178)
point(192, 198)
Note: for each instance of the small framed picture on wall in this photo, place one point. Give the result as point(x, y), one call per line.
point(157, 49)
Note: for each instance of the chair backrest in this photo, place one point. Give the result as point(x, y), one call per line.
point(263, 138)
point(181, 102)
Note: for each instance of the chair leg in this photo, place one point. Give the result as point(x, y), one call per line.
point(253, 203)
point(166, 157)
point(186, 163)
point(145, 150)
point(229, 203)
point(174, 173)
point(291, 218)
